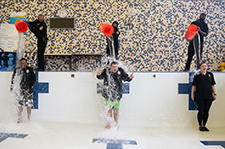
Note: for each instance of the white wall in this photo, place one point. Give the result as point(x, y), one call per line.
point(152, 100)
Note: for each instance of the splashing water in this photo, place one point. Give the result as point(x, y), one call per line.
point(196, 72)
point(16, 88)
point(110, 91)
point(20, 48)
point(108, 60)
point(16, 95)
point(8, 121)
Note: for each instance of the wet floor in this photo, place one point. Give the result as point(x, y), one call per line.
point(57, 135)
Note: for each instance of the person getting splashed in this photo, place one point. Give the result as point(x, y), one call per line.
point(23, 80)
point(112, 89)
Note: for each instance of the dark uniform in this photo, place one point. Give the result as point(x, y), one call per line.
point(112, 89)
point(27, 81)
point(40, 31)
point(203, 26)
point(203, 95)
point(115, 35)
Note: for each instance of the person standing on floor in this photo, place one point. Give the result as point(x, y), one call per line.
point(39, 28)
point(112, 89)
point(203, 32)
point(23, 87)
point(205, 93)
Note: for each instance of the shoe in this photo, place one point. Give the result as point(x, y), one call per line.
point(206, 129)
point(201, 129)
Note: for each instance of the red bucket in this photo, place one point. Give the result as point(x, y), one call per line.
point(191, 32)
point(106, 29)
point(21, 26)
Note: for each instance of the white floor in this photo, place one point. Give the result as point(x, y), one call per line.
point(58, 135)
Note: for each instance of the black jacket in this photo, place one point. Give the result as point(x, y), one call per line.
point(203, 85)
point(39, 29)
point(28, 78)
point(204, 27)
point(112, 89)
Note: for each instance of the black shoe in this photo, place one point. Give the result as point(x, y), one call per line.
point(206, 129)
point(201, 129)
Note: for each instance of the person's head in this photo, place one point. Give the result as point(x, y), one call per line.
point(115, 24)
point(23, 62)
point(202, 17)
point(203, 66)
point(114, 67)
point(41, 17)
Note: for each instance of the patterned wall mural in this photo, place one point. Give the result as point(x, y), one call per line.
point(153, 42)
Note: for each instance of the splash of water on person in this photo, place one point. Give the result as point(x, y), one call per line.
point(17, 95)
point(196, 72)
point(110, 92)
point(16, 82)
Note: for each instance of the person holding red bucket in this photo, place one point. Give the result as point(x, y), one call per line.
point(202, 30)
point(115, 35)
point(39, 28)
point(112, 32)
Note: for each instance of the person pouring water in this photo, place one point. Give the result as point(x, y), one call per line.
point(203, 32)
point(39, 28)
point(112, 48)
point(112, 89)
